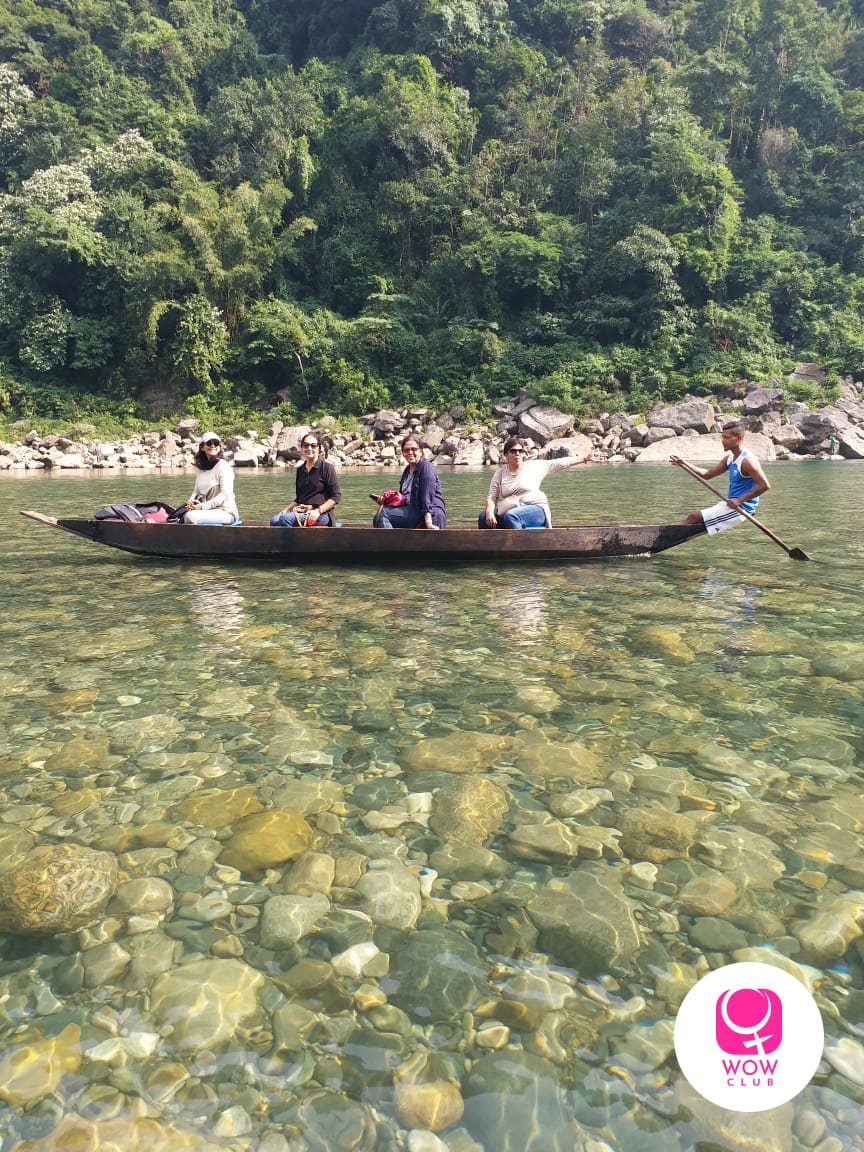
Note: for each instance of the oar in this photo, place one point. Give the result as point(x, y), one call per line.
point(793, 553)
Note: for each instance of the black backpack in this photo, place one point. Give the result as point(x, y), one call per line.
point(133, 513)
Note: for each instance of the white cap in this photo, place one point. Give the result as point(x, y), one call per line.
point(205, 436)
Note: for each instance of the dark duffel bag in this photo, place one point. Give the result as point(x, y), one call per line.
point(133, 513)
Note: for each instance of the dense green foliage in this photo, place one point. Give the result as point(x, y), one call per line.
point(346, 204)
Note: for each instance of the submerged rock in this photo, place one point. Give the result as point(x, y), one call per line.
point(458, 752)
point(826, 936)
point(657, 835)
point(265, 839)
point(435, 975)
point(34, 1069)
point(432, 1107)
point(216, 809)
point(470, 809)
point(329, 1122)
point(513, 1103)
point(203, 1002)
point(57, 888)
point(554, 761)
point(587, 921)
point(391, 893)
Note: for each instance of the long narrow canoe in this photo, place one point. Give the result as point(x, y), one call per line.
point(366, 545)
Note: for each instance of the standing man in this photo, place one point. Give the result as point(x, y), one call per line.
point(747, 482)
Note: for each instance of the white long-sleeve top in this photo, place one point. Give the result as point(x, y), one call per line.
point(214, 488)
point(508, 491)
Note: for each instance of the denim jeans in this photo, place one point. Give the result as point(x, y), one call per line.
point(402, 517)
point(289, 520)
point(523, 516)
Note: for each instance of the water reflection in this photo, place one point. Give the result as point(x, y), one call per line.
point(519, 606)
point(737, 602)
point(218, 607)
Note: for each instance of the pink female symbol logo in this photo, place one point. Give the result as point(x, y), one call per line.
point(749, 1021)
point(749, 1036)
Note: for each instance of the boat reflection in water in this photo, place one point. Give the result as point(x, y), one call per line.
point(520, 607)
point(738, 603)
point(219, 608)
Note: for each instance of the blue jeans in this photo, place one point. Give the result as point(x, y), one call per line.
point(401, 517)
point(289, 520)
point(523, 516)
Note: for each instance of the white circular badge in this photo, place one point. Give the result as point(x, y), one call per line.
point(748, 1037)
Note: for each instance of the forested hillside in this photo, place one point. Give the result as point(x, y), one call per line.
point(222, 204)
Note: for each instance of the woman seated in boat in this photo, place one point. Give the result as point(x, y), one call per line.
point(515, 498)
point(423, 504)
point(213, 501)
point(316, 489)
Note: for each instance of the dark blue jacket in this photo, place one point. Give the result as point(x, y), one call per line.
point(426, 495)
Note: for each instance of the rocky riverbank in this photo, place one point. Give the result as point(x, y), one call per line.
point(779, 429)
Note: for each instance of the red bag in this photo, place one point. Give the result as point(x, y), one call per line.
point(393, 499)
point(157, 516)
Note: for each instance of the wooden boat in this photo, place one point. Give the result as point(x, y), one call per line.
point(367, 545)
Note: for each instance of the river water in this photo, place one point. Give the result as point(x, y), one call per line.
point(412, 850)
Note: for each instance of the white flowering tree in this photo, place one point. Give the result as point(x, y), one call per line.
point(14, 97)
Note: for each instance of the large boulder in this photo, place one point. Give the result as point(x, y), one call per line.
point(434, 437)
point(655, 435)
point(248, 453)
point(690, 413)
point(576, 445)
point(788, 436)
point(810, 373)
point(543, 423)
point(817, 427)
point(387, 423)
point(852, 406)
point(851, 445)
point(471, 454)
point(762, 400)
point(287, 441)
point(703, 449)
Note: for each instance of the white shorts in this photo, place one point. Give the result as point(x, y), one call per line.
point(719, 517)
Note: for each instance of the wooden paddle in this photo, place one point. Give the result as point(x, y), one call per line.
point(793, 553)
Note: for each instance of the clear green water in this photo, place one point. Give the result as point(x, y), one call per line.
point(720, 683)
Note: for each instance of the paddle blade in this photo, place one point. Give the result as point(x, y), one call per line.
point(799, 554)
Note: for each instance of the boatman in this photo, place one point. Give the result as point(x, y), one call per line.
point(747, 482)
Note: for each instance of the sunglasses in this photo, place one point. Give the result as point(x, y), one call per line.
point(409, 448)
point(309, 444)
point(518, 451)
point(212, 443)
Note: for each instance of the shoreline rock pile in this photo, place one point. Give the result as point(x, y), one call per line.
point(780, 430)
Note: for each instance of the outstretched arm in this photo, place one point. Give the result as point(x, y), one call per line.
point(589, 458)
point(708, 474)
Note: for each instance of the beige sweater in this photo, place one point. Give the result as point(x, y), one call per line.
point(215, 488)
point(508, 491)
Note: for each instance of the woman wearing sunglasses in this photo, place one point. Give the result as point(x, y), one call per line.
point(213, 501)
point(423, 503)
point(316, 489)
point(515, 498)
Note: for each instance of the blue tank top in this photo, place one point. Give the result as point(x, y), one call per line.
point(738, 483)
